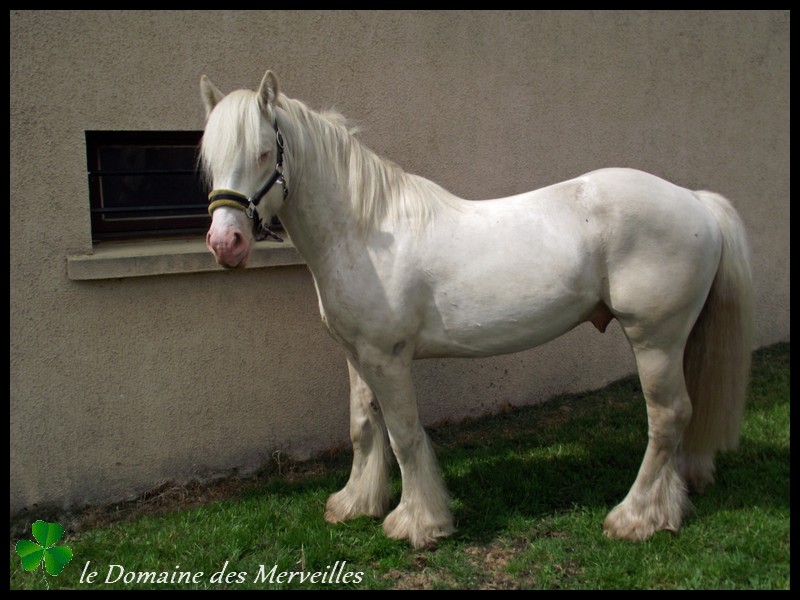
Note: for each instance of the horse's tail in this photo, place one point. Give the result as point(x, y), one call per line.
point(716, 361)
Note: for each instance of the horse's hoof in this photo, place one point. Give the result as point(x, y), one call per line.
point(420, 531)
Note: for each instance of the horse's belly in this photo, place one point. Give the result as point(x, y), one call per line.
point(530, 276)
point(469, 331)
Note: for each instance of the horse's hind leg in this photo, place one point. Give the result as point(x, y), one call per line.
point(367, 490)
point(423, 514)
point(658, 498)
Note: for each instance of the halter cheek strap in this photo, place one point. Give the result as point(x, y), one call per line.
point(234, 199)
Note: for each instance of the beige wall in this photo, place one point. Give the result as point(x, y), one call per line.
point(120, 383)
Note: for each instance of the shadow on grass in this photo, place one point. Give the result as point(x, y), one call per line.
point(497, 489)
point(585, 450)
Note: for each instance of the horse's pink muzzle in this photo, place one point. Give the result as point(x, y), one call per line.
point(230, 246)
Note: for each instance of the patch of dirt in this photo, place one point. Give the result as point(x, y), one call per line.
point(488, 562)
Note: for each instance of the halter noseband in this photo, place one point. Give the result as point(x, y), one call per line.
point(249, 205)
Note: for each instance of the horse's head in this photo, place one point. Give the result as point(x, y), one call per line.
point(242, 155)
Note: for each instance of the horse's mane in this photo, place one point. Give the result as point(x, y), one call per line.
point(378, 189)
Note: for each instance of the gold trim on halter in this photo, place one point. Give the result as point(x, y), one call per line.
point(231, 202)
point(217, 203)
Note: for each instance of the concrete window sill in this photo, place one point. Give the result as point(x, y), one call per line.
point(140, 259)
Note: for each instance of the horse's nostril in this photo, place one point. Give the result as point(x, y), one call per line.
point(211, 245)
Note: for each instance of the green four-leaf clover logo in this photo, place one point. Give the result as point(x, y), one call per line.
point(33, 554)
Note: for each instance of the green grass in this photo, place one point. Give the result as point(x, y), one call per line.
point(530, 490)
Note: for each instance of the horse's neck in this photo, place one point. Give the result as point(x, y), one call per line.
point(326, 225)
point(316, 214)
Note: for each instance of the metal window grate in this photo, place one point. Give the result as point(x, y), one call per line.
point(145, 184)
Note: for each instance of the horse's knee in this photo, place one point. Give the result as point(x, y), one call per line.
point(408, 445)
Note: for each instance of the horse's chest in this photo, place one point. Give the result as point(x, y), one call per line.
point(339, 318)
point(369, 313)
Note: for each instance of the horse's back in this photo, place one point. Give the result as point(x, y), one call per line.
point(639, 198)
point(516, 272)
point(603, 217)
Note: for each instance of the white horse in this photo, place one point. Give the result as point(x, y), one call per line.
point(401, 275)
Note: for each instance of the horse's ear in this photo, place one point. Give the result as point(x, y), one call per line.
point(268, 90)
point(210, 94)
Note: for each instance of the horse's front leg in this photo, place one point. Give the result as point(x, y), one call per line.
point(367, 490)
point(423, 514)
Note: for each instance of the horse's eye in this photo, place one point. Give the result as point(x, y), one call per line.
point(264, 156)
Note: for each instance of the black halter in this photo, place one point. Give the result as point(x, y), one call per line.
point(249, 205)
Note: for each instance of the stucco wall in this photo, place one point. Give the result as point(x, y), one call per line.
point(118, 384)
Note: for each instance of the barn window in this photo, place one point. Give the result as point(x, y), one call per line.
point(145, 184)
